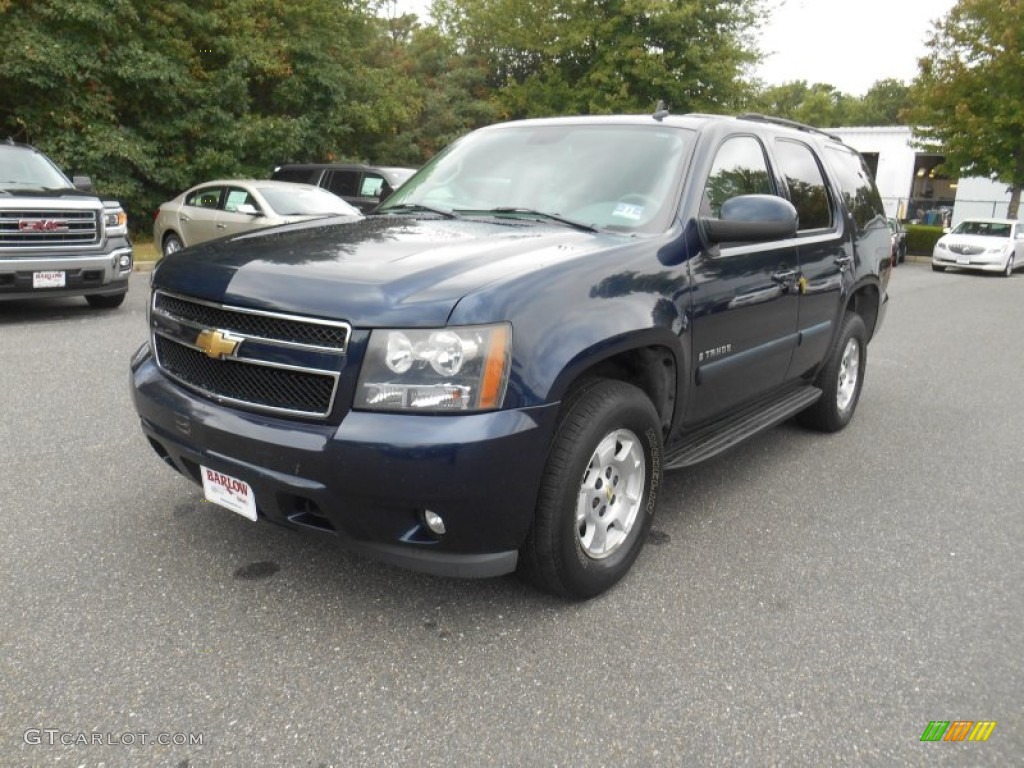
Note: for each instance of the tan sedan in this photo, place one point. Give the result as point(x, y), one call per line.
point(229, 206)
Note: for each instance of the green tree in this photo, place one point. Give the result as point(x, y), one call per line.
point(820, 104)
point(885, 103)
point(969, 93)
point(152, 96)
point(600, 56)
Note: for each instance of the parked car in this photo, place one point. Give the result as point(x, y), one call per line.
point(985, 245)
point(230, 206)
point(58, 237)
point(364, 186)
point(899, 241)
point(491, 372)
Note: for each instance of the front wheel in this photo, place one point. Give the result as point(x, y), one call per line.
point(172, 244)
point(1009, 266)
point(598, 493)
point(938, 268)
point(841, 379)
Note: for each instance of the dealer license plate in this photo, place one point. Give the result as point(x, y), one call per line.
point(47, 279)
point(963, 259)
point(229, 492)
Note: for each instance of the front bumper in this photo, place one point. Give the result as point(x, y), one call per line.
point(91, 275)
point(369, 479)
point(984, 262)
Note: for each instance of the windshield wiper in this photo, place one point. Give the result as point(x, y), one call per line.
point(419, 208)
point(530, 212)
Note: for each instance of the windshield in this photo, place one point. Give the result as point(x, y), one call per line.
point(619, 177)
point(989, 228)
point(305, 201)
point(21, 167)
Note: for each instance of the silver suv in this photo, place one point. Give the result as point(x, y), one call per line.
point(57, 238)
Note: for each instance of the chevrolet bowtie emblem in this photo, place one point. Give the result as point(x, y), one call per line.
point(218, 344)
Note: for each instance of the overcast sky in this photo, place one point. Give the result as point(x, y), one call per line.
point(850, 44)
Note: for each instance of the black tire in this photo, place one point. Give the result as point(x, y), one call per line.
point(580, 558)
point(1008, 272)
point(171, 244)
point(938, 268)
point(107, 302)
point(840, 394)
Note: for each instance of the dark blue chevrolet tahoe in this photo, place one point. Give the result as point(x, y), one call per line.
point(491, 372)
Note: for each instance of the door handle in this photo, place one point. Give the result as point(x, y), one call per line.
point(786, 276)
point(222, 226)
point(843, 261)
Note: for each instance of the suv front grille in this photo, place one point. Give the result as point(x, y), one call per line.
point(258, 385)
point(46, 228)
point(280, 363)
point(263, 325)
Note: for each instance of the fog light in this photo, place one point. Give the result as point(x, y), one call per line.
point(126, 261)
point(434, 522)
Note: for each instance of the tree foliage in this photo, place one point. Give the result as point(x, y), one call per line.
point(969, 95)
point(600, 56)
point(151, 97)
point(822, 105)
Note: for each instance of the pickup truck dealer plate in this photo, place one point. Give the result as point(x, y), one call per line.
point(229, 492)
point(47, 279)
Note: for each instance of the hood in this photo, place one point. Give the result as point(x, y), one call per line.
point(377, 271)
point(22, 193)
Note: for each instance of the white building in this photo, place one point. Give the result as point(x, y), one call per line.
point(911, 188)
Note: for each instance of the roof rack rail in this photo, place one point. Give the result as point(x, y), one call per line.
point(788, 123)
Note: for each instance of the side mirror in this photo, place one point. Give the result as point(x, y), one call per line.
point(249, 209)
point(82, 183)
point(750, 219)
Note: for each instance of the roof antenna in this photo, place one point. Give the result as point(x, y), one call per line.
point(660, 113)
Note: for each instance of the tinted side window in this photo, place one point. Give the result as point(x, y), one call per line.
point(208, 197)
point(298, 175)
point(343, 183)
point(859, 192)
point(739, 169)
point(807, 190)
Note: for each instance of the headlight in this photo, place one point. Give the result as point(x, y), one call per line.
point(115, 220)
point(446, 369)
point(1003, 249)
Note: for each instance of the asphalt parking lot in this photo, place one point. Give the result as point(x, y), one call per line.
point(803, 599)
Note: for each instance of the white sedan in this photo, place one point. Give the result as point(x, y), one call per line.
point(987, 245)
point(230, 206)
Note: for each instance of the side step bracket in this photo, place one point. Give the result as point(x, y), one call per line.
point(722, 435)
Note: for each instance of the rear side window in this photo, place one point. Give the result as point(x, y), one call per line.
point(208, 197)
point(739, 169)
point(859, 192)
point(807, 190)
point(298, 175)
point(344, 183)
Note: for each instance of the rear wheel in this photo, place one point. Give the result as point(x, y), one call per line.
point(598, 493)
point(840, 380)
point(106, 302)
